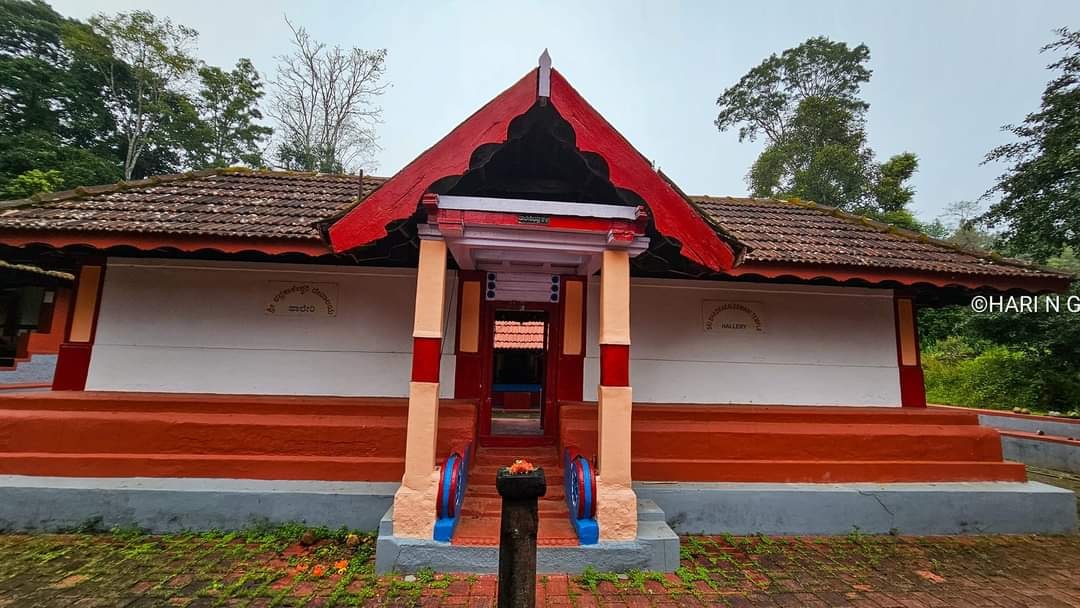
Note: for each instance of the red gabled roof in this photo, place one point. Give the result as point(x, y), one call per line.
point(398, 198)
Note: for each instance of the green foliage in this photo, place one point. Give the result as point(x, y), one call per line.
point(141, 63)
point(1006, 359)
point(997, 378)
point(890, 189)
point(229, 106)
point(766, 99)
point(821, 156)
point(1040, 192)
point(33, 182)
point(936, 229)
point(49, 119)
point(901, 217)
point(30, 50)
point(806, 103)
point(108, 99)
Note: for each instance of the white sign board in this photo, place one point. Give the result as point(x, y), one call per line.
point(301, 299)
point(729, 316)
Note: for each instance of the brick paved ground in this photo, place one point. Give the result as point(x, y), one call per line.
point(271, 568)
point(234, 570)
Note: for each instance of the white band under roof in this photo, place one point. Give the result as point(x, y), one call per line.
point(517, 205)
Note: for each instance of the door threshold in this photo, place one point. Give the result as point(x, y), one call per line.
point(515, 441)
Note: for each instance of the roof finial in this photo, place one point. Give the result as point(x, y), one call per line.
point(543, 88)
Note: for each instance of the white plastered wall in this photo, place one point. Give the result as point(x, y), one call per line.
point(818, 345)
point(201, 327)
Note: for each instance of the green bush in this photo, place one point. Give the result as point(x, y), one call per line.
point(997, 378)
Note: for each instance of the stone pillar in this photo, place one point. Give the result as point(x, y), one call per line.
point(616, 503)
point(414, 503)
point(517, 536)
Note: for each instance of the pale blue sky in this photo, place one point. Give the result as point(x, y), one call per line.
point(946, 74)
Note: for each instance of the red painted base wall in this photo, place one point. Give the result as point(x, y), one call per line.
point(97, 434)
point(800, 444)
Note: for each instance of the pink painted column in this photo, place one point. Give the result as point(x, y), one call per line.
point(414, 502)
point(616, 502)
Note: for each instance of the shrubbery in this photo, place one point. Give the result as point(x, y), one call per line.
point(996, 377)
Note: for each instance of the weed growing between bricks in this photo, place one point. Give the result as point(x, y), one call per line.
point(292, 565)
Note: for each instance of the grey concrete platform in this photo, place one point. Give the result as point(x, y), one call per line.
point(177, 504)
point(38, 369)
point(905, 508)
point(656, 548)
point(1042, 452)
point(1062, 427)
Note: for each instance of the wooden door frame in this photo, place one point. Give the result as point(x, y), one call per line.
point(549, 404)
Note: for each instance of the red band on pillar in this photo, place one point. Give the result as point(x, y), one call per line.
point(912, 389)
point(425, 359)
point(614, 365)
point(72, 367)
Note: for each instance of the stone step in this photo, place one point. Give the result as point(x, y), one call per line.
point(554, 490)
point(648, 413)
point(476, 506)
point(479, 531)
point(824, 471)
point(225, 466)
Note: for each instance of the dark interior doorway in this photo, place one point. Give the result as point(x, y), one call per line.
point(519, 372)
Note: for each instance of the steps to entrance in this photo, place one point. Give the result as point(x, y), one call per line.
point(98, 434)
point(801, 444)
point(481, 509)
point(35, 370)
point(655, 549)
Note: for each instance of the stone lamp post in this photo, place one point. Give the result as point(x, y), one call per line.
point(517, 534)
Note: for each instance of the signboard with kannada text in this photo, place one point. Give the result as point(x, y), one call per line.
point(301, 299)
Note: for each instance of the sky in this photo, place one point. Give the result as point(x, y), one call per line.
point(947, 74)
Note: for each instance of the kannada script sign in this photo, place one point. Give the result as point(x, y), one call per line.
point(301, 299)
point(726, 316)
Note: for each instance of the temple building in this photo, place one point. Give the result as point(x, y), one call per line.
point(249, 345)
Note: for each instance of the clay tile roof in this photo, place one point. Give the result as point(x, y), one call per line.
point(806, 233)
point(34, 270)
point(219, 203)
point(286, 206)
point(527, 335)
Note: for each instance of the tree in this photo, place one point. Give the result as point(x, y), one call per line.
point(145, 61)
point(31, 72)
point(228, 103)
point(767, 98)
point(963, 217)
point(806, 103)
point(822, 156)
point(324, 105)
point(180, 140)
point(890, 188)
point(1040, 193)
point(52, 118)
point(91, 103)
point(33, 182)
